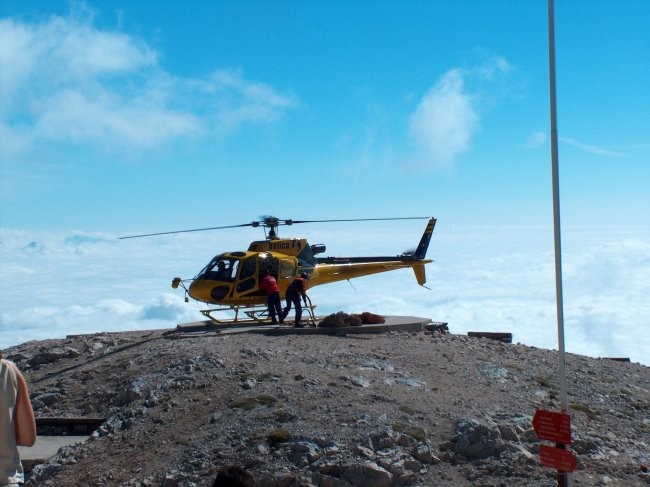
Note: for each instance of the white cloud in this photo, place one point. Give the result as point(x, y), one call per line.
point(107, 119)
point(448, 116)
point(63, 52)
point(482, 279)
point(166, 307)
point(503, 280)
point(535, 140)
point(591, 149)
point(118, 307)
point(64, 79)
point(240, 101)
point(444, 121)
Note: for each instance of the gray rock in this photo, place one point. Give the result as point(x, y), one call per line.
point(132, 392)
point(475, 440)
point(508, 433)
point(249, 383)
point(493, 372)
point(48, 356)
point(423, 454)
point(328, 481)
point(368, 474)
point(381, 439)
point(48, 398)
point(364, 452)
point(357, 381)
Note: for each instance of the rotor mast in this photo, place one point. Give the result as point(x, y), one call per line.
point(272, 224)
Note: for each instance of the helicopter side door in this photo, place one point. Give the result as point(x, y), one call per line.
point(247, 281)
point(252, 268)
point(287, 269)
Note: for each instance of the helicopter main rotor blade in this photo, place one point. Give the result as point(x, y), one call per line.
point(362, 219)
point(253, 224)
point(273, 222)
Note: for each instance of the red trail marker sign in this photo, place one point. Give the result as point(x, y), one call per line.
point(552, 426)
point(559, 458)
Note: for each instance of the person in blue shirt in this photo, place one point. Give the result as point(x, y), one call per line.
point(296, 290)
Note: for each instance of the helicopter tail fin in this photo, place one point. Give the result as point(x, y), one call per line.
point(421, 251)
point(420, 275)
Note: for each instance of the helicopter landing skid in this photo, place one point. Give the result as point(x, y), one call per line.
point(255, 314)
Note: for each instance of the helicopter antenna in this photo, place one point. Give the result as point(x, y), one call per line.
point(352, 285)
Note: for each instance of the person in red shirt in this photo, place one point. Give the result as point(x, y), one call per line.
point(269, 285)
point(296, 290)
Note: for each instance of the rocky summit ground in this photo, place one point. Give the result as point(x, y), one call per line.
point(423, 408)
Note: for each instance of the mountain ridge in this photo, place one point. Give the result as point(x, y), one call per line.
point(396, 408)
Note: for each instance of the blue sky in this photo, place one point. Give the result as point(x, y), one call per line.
point(135, 117)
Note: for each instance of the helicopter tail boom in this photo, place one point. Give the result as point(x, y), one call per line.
point(331, 269)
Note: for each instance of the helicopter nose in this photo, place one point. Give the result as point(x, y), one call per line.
point(207, 291)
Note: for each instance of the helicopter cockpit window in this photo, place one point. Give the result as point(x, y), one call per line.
point(248, 268)
point(287, 268)
point(222, 269)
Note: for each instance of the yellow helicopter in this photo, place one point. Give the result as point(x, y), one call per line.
point(231, 279)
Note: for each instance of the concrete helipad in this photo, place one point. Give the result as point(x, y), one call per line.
point(45, 447)
point(207, 327)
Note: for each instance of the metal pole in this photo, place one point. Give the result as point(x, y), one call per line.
point(562, 477)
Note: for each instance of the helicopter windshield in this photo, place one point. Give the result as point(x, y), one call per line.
point(220, 269)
